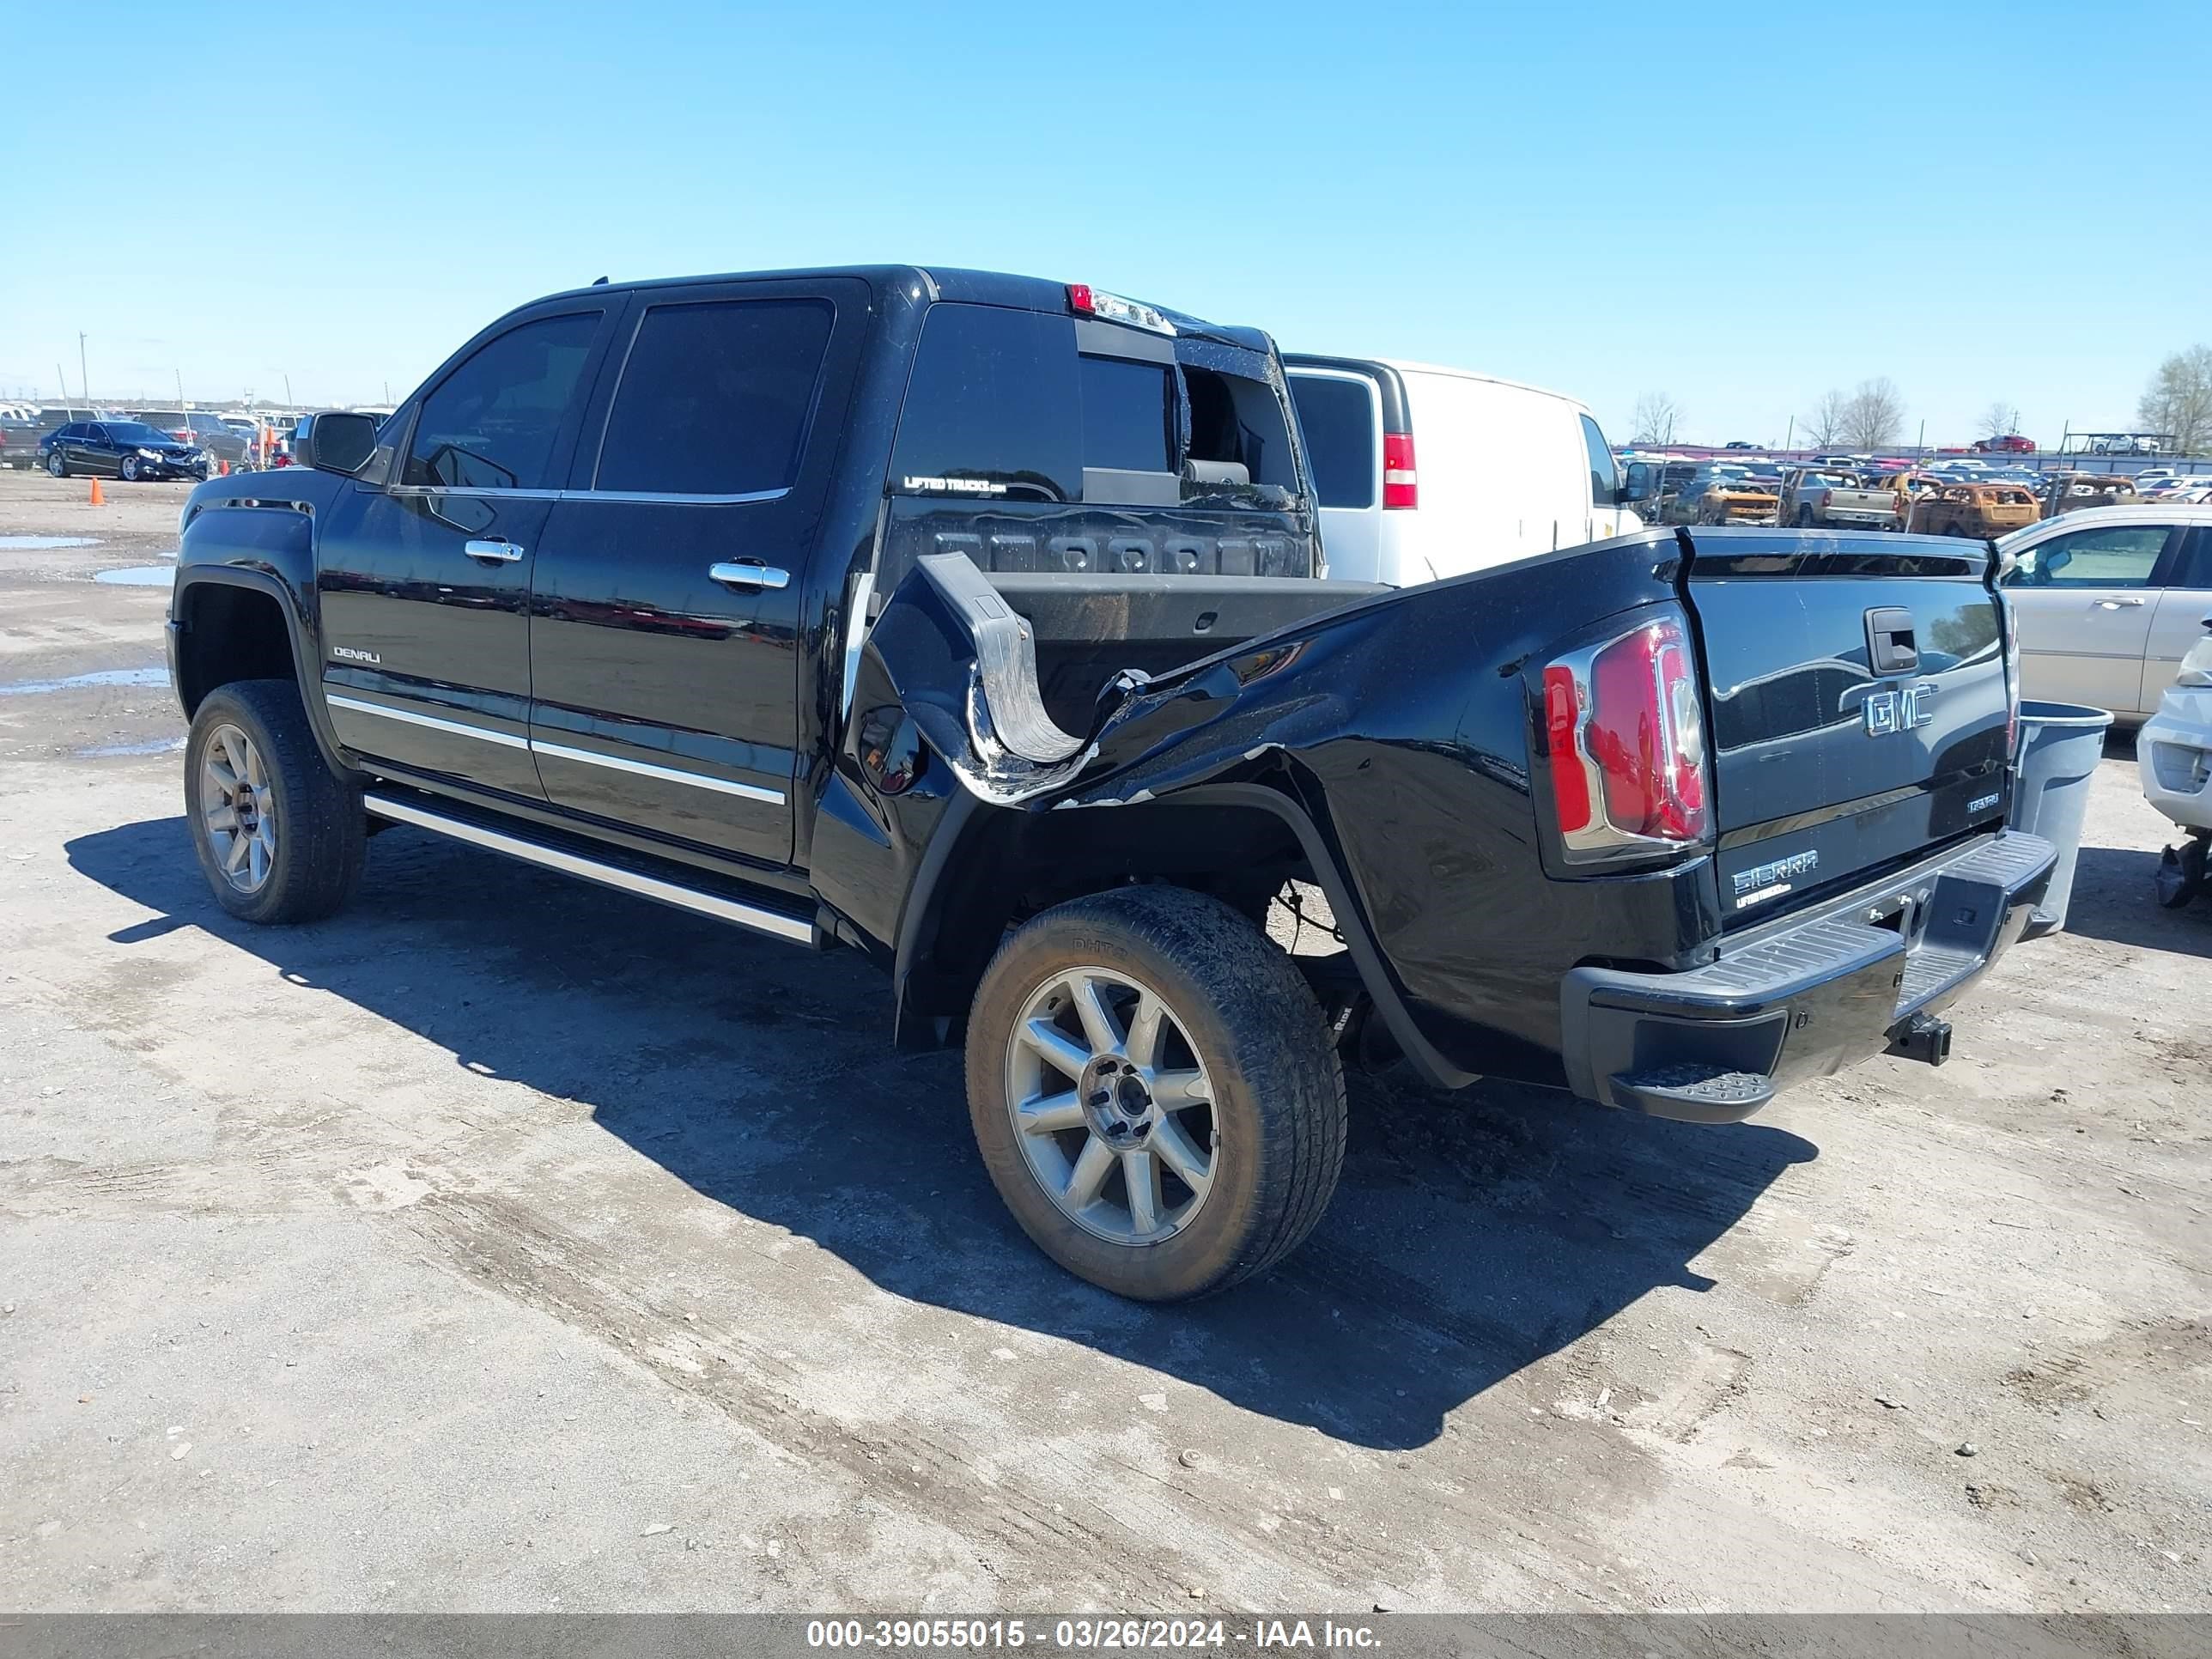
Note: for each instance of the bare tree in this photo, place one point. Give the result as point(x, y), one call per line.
point(1872, 413)
point(2178, 403)
point(1824, 427)
point(2000, 419)
point(1657, 416)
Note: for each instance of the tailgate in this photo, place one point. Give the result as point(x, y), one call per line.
point(1859, 706)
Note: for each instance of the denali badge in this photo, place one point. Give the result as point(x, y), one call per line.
point(352, 655)
point(1887, 712)
point(1982, 805)
point(1767, 881)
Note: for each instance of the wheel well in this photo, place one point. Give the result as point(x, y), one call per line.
point(229, 632)
point(1019, 864)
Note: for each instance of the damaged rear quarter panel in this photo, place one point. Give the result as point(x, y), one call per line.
point(1399, 730)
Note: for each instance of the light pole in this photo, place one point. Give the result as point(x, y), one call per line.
point(83, 381)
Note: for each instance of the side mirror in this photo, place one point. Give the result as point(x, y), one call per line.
point(335, 441)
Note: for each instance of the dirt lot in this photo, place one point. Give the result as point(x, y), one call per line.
point(506, 1244)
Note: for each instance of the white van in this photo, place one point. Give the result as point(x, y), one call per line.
point(1426, 472)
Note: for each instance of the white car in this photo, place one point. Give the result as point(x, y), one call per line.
point(2177, 484)
point(1426, 472)
point(2174, 753)
point(2107, 600)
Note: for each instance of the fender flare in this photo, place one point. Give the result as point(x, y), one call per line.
point(305, 658)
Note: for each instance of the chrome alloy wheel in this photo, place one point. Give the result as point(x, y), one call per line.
point(1112, 1107)
point(239, 809)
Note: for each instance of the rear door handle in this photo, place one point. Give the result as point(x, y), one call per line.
point(2115, 605)
point(494, 552)
point(749, 573)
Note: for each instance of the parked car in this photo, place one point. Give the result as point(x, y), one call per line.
point(2173, 755)
point(1742, 443)
point(2158, 489)
point(129, 450)
point(1742, 499)
point(1827, 498)
point(1982, 511)
point(19, 443)
point(2108, 601)
point(1685, 500)
point(2072, 492)
point(1650, 483)
point(834, 581)
point(2124, 444)
point(1426, 472)
point(206, 431)
point(2011, 444)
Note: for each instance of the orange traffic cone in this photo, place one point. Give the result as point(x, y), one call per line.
point(98, 500)
point(223, 468)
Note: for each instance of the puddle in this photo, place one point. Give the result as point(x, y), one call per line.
point(111, 751)
point(76, 682)
point(140, 576)
point(41, 544)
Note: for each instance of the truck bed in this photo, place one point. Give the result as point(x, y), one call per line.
point(1089, 628)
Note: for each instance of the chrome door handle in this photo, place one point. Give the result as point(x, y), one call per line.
point(747, 572)
point(2114, 604)
point(492, 552)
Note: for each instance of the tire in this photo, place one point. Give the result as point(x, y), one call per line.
point(1804, 518)
point(129, 471)
point(55, 464)
point(307, 820)
point(2181, 875)
point(1268, 1098)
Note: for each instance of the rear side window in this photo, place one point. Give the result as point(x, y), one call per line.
point(1605, 476)
point(1338, 417)
point(716, 398)
point(994, 397)
point(492, 422)
point(1128, 418)
point(2195, 568)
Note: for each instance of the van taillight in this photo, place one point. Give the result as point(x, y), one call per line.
point(1401, 484)
point(1625, 731)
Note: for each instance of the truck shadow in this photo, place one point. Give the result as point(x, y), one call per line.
point(1472, 1236)
point(2115, 898)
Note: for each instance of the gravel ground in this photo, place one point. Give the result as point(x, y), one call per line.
point(509, 1244)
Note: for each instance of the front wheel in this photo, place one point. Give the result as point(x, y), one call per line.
point(2181, 875)
point(1154, 1092)
point(280, 837)
point(55, 464)
point(129, 470)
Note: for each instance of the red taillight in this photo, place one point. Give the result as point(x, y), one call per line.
point(1401, 484)
point(1562, 718)
point(1626, 734)
point(1078, 297)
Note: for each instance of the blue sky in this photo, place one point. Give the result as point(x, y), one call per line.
point(1743, 206)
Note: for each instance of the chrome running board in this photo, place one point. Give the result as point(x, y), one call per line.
point(775, 923)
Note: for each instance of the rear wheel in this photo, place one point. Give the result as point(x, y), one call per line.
point(1154, 1092)
point(1804, 518)
point(280, 837)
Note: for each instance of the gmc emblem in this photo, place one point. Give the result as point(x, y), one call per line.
point(1887, 712)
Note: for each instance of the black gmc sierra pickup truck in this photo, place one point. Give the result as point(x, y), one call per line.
point(979, 624)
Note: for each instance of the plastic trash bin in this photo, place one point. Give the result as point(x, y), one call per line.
point(2060, 744)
